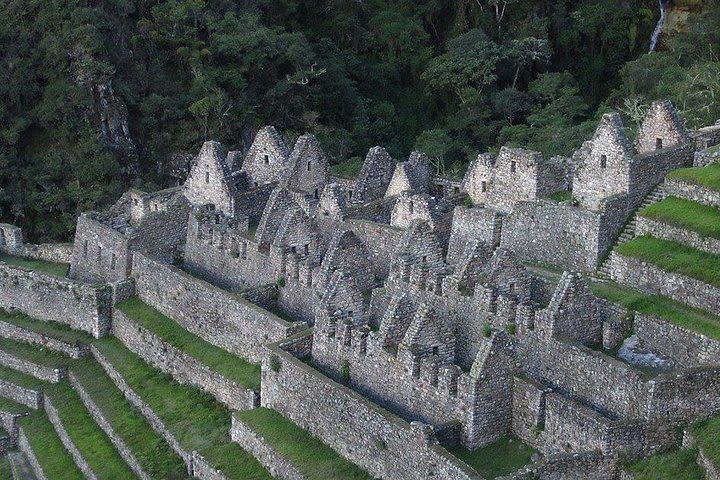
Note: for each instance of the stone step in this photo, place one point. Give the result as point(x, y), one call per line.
point(143, 449)
point(91, 449)
point(49, 335)
point(192, 422)
point(47, 455)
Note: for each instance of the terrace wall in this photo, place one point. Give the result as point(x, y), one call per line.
point(685, 347)
point(25, 396)
point(219, 317)
point(657, 229)
point(48, 297)
point(651, 279)
point(691, 191)
point(362, 432)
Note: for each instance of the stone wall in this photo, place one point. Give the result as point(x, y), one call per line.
point(381, 241)
point(649, 169)
point(470, 224)
point(8, 330)
point(181, 366)
point(67, 442)
point(657, 229)
point(105, 425)
point(219, 317)
point(651, 279)
point(42, 372)
point(365, 434)
point(685, 396)
point(691, 191)
point(24, 446)
point(685, 347)
point(25, 396)
point(11, 241)
point(255, 444)
point(528, 410)
point(100, 253)
point(47, 297)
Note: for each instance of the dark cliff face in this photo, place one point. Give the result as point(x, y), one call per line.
point(115, 130)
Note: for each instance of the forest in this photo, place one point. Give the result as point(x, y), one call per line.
point(100, 95)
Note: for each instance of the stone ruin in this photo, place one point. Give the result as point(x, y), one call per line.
point(423, 296)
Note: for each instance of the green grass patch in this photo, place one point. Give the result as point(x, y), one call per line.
point(350, 168)
point(678, 313)
point(561, 196)
point(5, 468)
point(499, 458)
point(59, 269)
point(196, 419)
point(12, 407)
point(313, 458)
point(87, 436)
point(55, 330)
point(686, 214)
point(217, 359)
point(676, 465)
point(675, 257)
point(154, 454)
point(34, 354)
point(55, 461)
point(707, 435)
point(708, 177)
point(21, 379)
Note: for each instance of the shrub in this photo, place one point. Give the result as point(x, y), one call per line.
point(510, 328)
point(345, 371)
point(280, 282)
point(275, 363)
point(487, 330)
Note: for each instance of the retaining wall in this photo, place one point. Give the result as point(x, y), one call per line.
point(685, 347)
point(181, 366)
point(24, 446)
point(77, 456)
point(357, 429)
point(47, 297)
point(691, 191)
point(8, 330)
point(25, 396)
point(217, 316)
point(651, 279)
point(43, 372)
point(648, 226)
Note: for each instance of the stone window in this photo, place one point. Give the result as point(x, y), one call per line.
point(136, 201)
point(456, 190)
point(603, 161)
point(483, 186)
point(207, 177)
point(350, 313)
point(424, 259)
point(412, 207)
point(436, 350)
point(658, 144)
point(267, 159)
point(512, 287)
point(308, 166)
point(85, 248)
point(350, 192)
point(113, 260)
point(513, 167)
point(99, 255)
point(317, 193)
point(257, 184)
point(293, 249)
point(307, 249)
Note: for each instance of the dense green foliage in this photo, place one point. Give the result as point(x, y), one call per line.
point(452, 78)
point(686, 214)
point(311, 457)
point(223, 362)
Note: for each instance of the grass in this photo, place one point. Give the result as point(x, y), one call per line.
point(678, 313)
point(675, 257)
point(5, 469)
point(21, 379)
point(348, 169)
point(87, 436)
point(676, 465)
point(9, 406)
point(194, 417)
point(55, 330)
point(34, 354)
point(499, 458)
point(154, 454)
point(707, 436)
point(561, 196)
point(59, 269)
point(703, 219)
point(708, 176)
point(56, 462)
point(313, 458)
point(217, 359)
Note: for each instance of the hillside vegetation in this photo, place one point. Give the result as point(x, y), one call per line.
point(98, 96)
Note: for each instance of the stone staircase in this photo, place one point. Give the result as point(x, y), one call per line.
point(628, 232)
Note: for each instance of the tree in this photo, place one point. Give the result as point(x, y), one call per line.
point(435, 144)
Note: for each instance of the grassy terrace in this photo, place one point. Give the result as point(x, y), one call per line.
point(21, 379)
point(34, 354)
point(686, 214)
point(87, 436)
point(675, 257)
point(708, 177)
point(707, 435)
point(676, 465)
point(219, 360)
point(55, 330)
point(59, 269)
point(5, 469)
point(11, 407)
point(194, 417)
point(154, 454)
point(499, 458)
point(313, 459)
point(54, 459)
point(678, 313)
